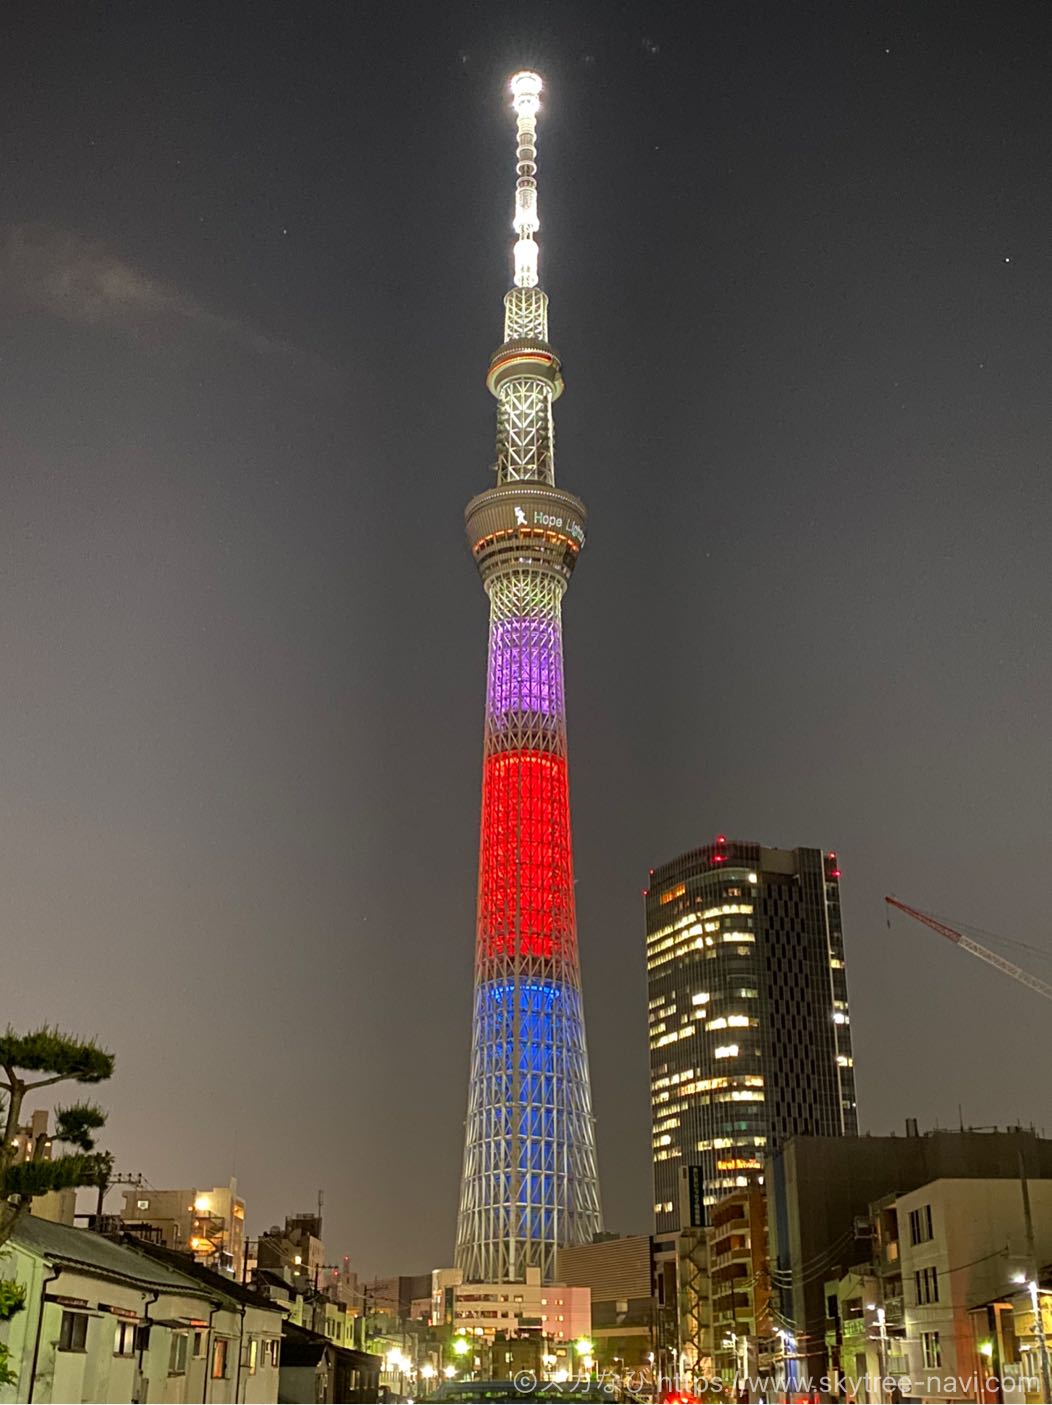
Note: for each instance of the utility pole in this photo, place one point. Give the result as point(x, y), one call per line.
point(1035, 1295)
point(882, 1328)
point(110, 1179)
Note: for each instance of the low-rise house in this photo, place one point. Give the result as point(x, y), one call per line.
point(255, 1366)
point(105, 1321)
point(314, 1369)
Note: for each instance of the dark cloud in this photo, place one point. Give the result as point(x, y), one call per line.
point(82, 280)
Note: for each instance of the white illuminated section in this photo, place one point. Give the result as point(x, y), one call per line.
point(526, 90)
point(526, 263)
point(526, 210)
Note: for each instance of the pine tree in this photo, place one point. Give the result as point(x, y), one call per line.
point(60, 1058)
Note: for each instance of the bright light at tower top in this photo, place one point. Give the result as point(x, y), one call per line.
point(526, 88)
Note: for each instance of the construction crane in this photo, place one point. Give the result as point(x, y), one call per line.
point(984, 953)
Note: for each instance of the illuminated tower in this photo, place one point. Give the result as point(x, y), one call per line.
point(530, 1181)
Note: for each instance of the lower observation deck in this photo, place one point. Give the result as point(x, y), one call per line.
point(525, 524)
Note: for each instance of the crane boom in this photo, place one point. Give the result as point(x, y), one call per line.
point(984, 953)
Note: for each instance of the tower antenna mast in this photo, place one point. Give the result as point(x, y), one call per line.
point(526, 91)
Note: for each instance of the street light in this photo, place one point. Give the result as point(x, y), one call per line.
point(398, 1361)
point(788, 1356)
point(882, 1334)
point(1039, 1328)
point(449, 1371)
point(739, 1348)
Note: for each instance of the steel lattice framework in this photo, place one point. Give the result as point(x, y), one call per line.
point(530, 1182)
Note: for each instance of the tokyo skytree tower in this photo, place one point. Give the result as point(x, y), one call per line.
point(530, 1182)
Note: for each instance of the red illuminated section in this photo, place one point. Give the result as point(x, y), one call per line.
point(526, 906)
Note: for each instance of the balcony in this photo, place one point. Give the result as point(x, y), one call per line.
point(730, 1305)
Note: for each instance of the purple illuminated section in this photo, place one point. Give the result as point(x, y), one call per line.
point(526, 667)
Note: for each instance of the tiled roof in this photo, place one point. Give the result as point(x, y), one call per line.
point(59, 1243)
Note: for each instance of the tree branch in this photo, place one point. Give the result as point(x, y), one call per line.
point(9, 1217)
point(14, 1111)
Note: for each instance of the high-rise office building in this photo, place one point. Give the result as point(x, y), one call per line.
point(750, 1035)
point(529, 1183)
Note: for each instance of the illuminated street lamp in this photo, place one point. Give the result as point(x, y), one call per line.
point(788, 1356)
point(882, 1336)
point(584, 1349)
point(1039, 1329)
point(398, 1361)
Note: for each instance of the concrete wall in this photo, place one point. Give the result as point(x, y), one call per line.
point(977, 1242)
point(612, 1268)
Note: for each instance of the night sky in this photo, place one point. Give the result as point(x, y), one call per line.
point(252, 259)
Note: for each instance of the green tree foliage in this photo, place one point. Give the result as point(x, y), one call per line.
point(12, 1300)
point(28, 1062)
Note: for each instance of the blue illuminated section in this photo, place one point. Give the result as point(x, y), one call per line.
point(523, 1031)
point(539, 1006)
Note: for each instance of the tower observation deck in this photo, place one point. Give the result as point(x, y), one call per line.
point(529, 1182)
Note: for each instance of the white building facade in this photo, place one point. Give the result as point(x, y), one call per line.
point(553, 1310)
point(104, 1322)
point(962, 1243)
